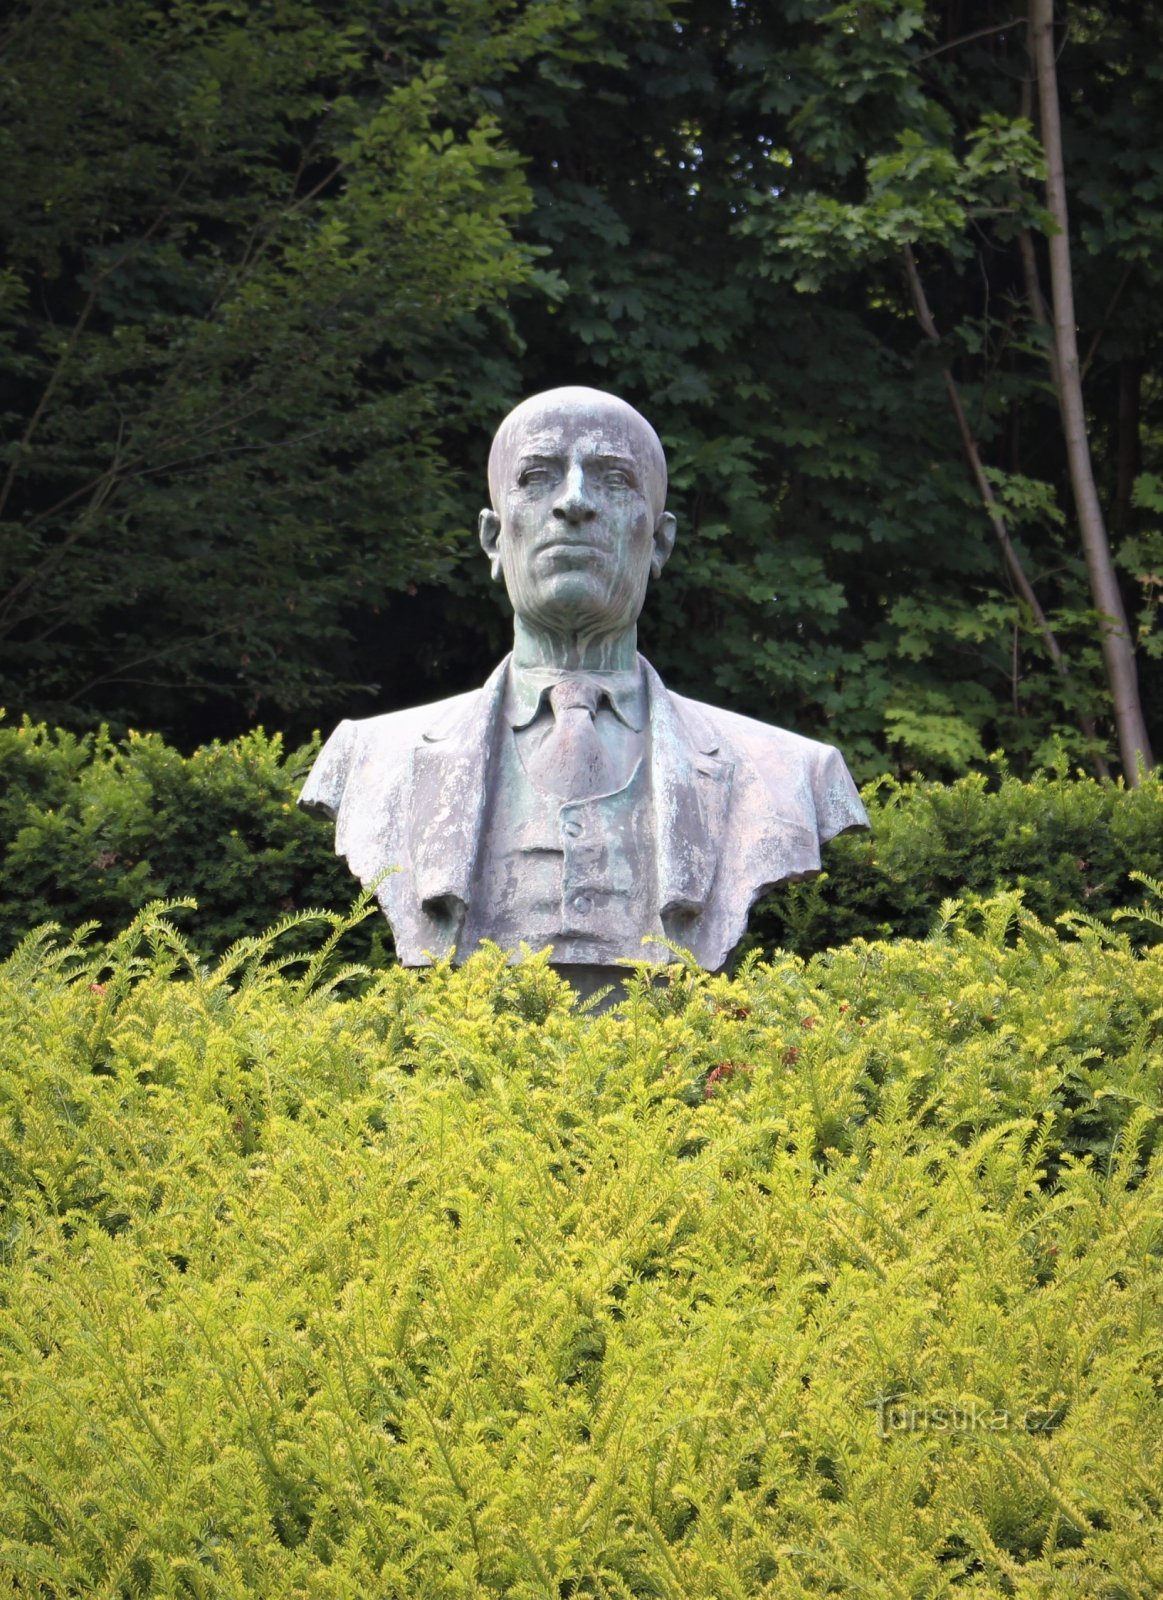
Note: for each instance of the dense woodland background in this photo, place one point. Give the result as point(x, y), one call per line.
point(274, 271)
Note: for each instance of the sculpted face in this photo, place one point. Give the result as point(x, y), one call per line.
point(578, 482)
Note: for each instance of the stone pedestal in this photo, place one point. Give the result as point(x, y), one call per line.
point(587, 981)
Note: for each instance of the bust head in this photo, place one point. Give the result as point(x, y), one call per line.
point(577, 525)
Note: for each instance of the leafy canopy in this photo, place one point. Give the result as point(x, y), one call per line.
point(238, 240)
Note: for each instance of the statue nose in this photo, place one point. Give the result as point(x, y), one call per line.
point(574, 503)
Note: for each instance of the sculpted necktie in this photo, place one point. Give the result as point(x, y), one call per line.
point(570, 761)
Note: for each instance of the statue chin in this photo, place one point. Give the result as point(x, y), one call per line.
point(578, 596)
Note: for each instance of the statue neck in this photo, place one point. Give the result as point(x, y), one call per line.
point(535, 646)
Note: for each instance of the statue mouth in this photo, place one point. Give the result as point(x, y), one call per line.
point(590, 547)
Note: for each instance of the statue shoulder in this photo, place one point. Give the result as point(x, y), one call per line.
point(375, 746)
point(806, 780)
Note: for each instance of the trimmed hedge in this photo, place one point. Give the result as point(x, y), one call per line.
point(91, 829)
point(843, 1277)
point(1069, 843)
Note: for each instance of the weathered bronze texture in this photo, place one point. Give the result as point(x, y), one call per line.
point(573, 801)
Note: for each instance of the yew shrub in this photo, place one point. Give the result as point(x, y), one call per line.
point(841, 1276)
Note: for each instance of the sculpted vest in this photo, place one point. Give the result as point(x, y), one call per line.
point(578, 875)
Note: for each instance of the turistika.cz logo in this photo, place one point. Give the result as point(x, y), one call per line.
point(898, 1413)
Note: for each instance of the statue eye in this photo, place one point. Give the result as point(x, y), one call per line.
point(617, 478)
point(532, 475)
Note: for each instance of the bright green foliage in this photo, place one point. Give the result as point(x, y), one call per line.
point(841, 1278)
point(919, 192)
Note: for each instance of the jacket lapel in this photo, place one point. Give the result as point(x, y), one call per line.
point(449, 773)
point(691, 792)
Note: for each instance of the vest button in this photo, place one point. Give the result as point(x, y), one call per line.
point(571, 829)
point(582, 904)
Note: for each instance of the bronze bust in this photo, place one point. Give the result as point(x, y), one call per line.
point(573, 801)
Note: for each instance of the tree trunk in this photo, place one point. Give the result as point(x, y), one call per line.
point(1117, 648)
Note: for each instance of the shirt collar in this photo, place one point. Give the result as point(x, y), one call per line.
point(526, 687)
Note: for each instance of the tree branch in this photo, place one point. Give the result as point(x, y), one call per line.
point(993, 511)
point(968, 38)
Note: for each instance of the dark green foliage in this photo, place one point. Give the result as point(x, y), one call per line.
point(94, 828)
point(1067, 843)
point(238, 243)
point(810, 454)
point(729, 232)
point(274, 272)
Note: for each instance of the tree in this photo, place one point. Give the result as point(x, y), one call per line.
point(942, 183)
point(727, 192)
point(239, 240)
point(723, 211)
point(1117, 646)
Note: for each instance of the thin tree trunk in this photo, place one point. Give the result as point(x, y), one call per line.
point(993, 511)
point(1037, 301)
point(1117, 647)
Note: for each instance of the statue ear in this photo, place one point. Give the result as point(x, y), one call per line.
point(489, 525)
point(664, 532)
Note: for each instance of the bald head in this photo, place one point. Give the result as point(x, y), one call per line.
point(580, 411)
point(578, 523)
